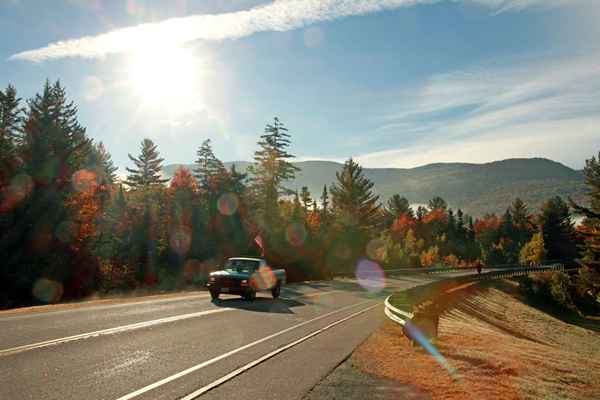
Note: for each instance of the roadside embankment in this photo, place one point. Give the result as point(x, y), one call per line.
point(497, 347)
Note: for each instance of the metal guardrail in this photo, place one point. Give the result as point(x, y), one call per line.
point(408, 300)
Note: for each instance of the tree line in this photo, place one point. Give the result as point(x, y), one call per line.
point(69, 227)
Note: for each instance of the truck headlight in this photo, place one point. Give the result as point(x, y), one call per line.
point(244, 282)
point(211, 279)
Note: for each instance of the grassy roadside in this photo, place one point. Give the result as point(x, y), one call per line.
point(500, 347)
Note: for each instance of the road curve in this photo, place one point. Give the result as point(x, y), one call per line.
point(187, 347)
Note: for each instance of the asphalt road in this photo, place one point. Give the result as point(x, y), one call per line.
point(184, 347)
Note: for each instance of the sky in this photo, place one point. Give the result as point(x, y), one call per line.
point(392, 83)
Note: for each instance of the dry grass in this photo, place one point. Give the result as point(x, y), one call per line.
point(500, 348)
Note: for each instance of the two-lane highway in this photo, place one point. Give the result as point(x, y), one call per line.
point(187, 346)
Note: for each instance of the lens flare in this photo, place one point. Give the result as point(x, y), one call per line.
point(84, 180)
point(414, 333)
point(66, 231)
point(263, 278)
point(370, 276)
point(376, 250)
point(19, 188)
point(47, 291)
point(295, 234)
point(180, 240)
point(227, 204)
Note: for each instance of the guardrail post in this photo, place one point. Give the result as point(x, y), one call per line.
point(426, 319)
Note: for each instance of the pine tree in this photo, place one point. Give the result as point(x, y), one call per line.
point(558, 231)
point(305, 198)
point(101, 162)
point(325, 201)
point(297, 209)
point(54, 148)
point(521, 222)
point(437, 203)
point(354, 203)
point(588, 280)
point(148, 166)
point(55, 145)
point(10, 132)
point(398, 205)
point(209, 170)
point(270, 171)
point(236, 182)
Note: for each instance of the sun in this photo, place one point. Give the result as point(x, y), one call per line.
point(165, 77)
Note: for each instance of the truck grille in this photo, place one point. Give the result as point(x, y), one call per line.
point(229, 282)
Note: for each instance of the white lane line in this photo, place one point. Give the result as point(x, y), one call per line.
point(130, 327)
point(110, 331)
point(80, 307)
point(230, 353)
point(272, 354)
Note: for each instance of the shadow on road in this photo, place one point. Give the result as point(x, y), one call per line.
point(260, 304)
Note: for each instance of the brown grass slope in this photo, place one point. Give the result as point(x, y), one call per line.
point(500, 348)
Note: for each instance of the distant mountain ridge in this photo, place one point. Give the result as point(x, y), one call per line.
point(476, 188)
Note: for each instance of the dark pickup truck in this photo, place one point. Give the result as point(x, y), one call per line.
point(245, 276)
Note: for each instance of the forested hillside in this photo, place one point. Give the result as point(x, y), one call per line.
point(476, 188)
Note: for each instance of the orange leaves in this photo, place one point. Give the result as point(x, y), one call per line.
point(402, 225)
point(430, 257)
point(313, 221)
point(86, 206)
point(183, 179)
point(438, 215)
point(489, 223)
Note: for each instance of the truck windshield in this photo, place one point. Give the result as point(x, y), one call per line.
point(242, 265)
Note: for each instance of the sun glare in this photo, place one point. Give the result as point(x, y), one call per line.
point(165, 77)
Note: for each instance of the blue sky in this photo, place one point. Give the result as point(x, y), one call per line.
point(393, 83)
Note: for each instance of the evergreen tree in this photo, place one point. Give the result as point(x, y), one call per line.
point(10, 132)
point(270, 171)
point(148, 166)
point(101, 163)
point(297, 208)
point(354, 203)
point(588, 281)
point(236, 182)
point(557, 229)
point(421, 212)
point(522, 226)
point(209, 170)
point(437, 203)
point(305, 198)
point(54, 147)
point(398, 205)
point(325, 201)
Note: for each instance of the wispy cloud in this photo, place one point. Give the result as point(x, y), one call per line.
point(528, 108)
point(281, 15)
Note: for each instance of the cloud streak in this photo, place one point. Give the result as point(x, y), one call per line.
point(283, 15)
point(488, 113)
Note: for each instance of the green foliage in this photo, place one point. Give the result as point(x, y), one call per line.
point(102, 236)
point(437, 203)
point(270, 171)
point(558, 230)
point(209, 169)
point(100, 161)
point(147, 171)
point(550, 287)
point(354, 203)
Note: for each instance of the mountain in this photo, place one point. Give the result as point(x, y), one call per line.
point(476, 188)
